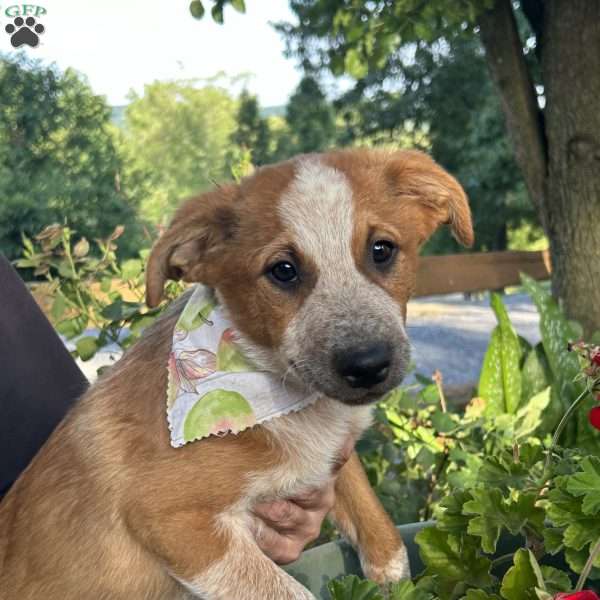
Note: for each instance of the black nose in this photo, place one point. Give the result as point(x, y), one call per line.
point(364, 367)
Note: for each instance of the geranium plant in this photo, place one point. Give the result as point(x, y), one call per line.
point(522, 460)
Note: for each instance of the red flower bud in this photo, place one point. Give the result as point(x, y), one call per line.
point(596, 358)
point(583, 595)
point(594, 417)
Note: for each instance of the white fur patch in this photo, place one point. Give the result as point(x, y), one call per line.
point(318, 209)
point(397, 568)
point(311, 441)
point(245, 573)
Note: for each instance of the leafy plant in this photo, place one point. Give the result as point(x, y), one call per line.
point(96, 299)
point(496, 470)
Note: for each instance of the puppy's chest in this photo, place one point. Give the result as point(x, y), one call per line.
point(312, 442)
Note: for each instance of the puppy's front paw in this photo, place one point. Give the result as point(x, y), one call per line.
point(395, 569)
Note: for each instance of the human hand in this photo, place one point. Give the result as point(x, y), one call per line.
point(289, 525)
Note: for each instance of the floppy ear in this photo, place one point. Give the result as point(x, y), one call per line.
point(189, 249)
point(415, 174)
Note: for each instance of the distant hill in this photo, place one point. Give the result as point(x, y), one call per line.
point(272, 111)
point(118, 113)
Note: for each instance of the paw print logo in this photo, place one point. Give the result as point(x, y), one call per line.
point(24, 31)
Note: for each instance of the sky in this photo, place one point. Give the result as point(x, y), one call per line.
point(123, 44)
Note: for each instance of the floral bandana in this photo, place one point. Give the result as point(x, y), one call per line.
point(213, 389)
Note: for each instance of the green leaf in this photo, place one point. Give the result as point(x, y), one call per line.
point(65, 270)
point(449, 514)
point(555, 330)
point(556, 580)
point(479, 595)
point(354, 65)
point(140, 323)
point(587, 484)
point(197, 9)
point(520, 581)
point(492, 512)
point(443, 422)
point(510, 356)
point(529, 418)
point(86, 347)
point(565, 510)
point(553, 540)
point(537, 571)
point(239, 5)
point(430, 394)
point(490, 381)
point(353, 588)
point(72, 327)
point(453, 558)
point(502, 474)
point(406, 590)
point(535, 374)
point(106, 284)
point(120, 310)
point(58, 307)
point(132, 268)
point(217, 14)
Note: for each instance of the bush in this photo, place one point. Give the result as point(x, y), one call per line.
point(57, 156)
point(91, 290)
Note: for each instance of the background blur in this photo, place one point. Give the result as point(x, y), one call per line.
point(125, 109)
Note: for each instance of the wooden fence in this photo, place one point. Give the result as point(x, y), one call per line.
point(479, 271)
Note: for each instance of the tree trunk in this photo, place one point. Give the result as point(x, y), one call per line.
point(559, 154)
point(571, 71)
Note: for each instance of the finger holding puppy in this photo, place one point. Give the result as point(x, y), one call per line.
point(289, 525)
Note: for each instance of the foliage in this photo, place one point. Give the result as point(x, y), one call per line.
point(441, 93)
point(494, 470)
point(197, 8)
point(96, 299)
point(57, 156)
point(310, 118)
point(176, 139)
point(252, 132)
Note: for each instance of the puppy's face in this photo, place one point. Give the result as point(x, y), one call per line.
point(315, 260)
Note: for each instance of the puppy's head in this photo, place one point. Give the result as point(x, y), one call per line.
point(314, 259)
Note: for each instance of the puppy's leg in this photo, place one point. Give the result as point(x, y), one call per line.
point(363, 521)
point(217, 559)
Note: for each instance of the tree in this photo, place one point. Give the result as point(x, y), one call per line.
point(176, 138)
point(447, 106)
point(252, 132)
point(310, 117)
point(57, 157)
point(549, 85)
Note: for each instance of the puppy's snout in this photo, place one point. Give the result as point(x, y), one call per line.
point(364, 367)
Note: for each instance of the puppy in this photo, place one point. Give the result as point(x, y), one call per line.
point(314, 260)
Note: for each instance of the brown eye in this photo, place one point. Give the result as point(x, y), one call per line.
point(382, 252)
point(283, 273)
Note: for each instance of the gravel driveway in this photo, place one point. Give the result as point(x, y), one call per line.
point(451, 334)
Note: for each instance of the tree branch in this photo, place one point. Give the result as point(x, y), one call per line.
point(504, 54)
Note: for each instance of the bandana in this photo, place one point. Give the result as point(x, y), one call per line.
point(213, 388)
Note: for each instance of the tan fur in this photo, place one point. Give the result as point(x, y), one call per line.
point(365, 524)
point(109, 510)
